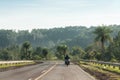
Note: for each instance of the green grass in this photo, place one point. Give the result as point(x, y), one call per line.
point(109, 70)
point(11, 65)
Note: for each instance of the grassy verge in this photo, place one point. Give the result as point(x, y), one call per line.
point(12, 65)
point(5, 67)
point(101, 72)
point(107, 68)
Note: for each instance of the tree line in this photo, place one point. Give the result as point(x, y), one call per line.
point(80, 42)
point(105, 47)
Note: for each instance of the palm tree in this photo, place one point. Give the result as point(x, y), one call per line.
point(103, 34)
point(26, 46)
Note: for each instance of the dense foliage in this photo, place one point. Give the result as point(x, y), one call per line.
point(82, 42)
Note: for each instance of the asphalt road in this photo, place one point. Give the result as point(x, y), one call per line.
point(47, 71)
point(62, 72)
point(26, 73)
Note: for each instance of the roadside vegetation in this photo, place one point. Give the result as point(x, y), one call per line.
point(6, 65)
point(11, 65)
point(101, 72)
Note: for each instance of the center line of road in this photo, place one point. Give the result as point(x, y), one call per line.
point(45, 72)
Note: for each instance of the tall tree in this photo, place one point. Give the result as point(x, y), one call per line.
point(103, 34)
point(26, 45)
point(62, 49)
point(114, 49)
point(45, 52)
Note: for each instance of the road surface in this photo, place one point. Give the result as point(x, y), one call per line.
point(47, 71)
point(62, 72)
point(26, 73)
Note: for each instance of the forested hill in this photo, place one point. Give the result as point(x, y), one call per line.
point(72, 36)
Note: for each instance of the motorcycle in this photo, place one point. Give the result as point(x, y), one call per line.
point(67, 62)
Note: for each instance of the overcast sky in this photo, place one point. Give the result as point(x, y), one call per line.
point(29, 14)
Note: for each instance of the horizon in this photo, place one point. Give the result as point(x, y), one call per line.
point(47, 14)
point(16, 30)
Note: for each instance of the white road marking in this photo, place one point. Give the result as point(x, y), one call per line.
point(45, 72)
point(30, 79)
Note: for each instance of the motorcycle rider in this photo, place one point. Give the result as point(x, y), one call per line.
point(67, 60)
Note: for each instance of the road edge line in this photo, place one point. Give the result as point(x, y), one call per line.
point(89, 75)
point(39, 77)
